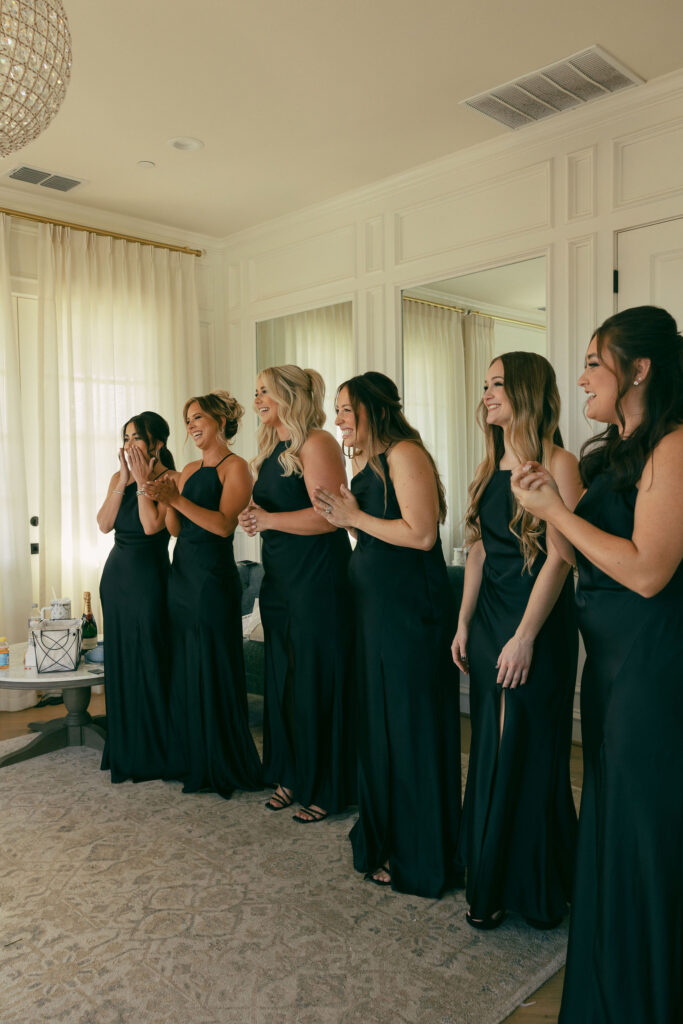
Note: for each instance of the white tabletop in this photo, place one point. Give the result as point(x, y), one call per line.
point(19, 678)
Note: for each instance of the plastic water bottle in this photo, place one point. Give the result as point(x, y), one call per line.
point(4, 654)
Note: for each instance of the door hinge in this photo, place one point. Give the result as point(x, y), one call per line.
point(615, 281)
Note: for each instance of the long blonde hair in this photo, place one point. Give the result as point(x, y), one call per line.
point(531, 389)
point(299, 395)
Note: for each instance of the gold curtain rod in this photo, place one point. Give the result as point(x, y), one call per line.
point(474, 312)
point(100, 231)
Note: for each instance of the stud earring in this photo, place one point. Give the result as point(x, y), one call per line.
point(636, 382)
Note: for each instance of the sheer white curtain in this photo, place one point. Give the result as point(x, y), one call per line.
point(478, 334)
point(317, 339)
point(118, 333)
point(435, 401)
point(15, 570)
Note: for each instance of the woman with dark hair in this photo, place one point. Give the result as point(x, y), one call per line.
point(626, 933)
point(517, 639)
point(408, 714)
point(307, 750)
point(210, 746)
point(133, 595)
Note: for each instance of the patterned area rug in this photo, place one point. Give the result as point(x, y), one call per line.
point(135, 904)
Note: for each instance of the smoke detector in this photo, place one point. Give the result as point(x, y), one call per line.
point(578, 79)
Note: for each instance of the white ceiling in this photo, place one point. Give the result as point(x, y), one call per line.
point(300, 100)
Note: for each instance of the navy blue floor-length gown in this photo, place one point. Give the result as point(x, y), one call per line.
point(408, 705)
point(210, 745)
point(133, 595)
point(518, 835)
point(626, 931)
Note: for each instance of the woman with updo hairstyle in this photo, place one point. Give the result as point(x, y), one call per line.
point(307, 752)
point(210, 746)
point(133, 596)
point(407, 685)
point(626, 929)
point(517, 638)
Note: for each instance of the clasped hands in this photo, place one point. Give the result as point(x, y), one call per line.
point(535, 489)
point(164, 489)
point(338, 509)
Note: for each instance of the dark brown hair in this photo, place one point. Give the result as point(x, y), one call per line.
point(386, 423)
point(642, 332)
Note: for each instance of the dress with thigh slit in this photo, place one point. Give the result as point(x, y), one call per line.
point(408, 705)
point(518, 836)
point(307, 735)
point(210, 745)
point(626, 929)
point(133, 595)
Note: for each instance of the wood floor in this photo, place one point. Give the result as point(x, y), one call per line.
point(542, 1006)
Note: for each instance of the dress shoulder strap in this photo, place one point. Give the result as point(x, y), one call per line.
point(223, 459)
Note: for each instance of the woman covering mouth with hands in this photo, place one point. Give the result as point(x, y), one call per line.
point(408, 699)
point(625, 939)
point(133, 595)
point(307, 739)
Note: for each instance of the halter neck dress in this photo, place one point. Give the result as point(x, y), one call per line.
point(210, 745)
point(518, 836)
point(626, 929)
point(307, 737)
point(408, 705)
point(133, 596)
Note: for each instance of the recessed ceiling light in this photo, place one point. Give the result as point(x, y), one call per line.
point(146, 163)
point(186, 143)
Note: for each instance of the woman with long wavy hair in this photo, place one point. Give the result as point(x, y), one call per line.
point(626, 933)
point(408, 695)
point(210, 746)
point(303, 598)
point(133, 595)
point(517, 639)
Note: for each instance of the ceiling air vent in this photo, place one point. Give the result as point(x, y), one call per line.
point(579, 79)
point(32, 176)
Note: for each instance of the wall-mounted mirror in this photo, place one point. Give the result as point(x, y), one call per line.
point(319, 339)
point(452, 329)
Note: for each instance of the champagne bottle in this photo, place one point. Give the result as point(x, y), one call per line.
point(88, 624)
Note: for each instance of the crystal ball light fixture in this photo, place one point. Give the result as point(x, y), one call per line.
point(35, 67)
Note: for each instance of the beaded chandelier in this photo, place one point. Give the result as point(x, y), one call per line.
point(35, 66)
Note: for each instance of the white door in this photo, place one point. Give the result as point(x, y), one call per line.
point(650, 265)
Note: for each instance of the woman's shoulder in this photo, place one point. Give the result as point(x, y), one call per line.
point(407, 453)
point(665, 458)
point(233, 465)
point(188, 469)
point(320, 440)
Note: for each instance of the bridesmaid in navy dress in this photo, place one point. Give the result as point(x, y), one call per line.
point(408, 696)
point(133, 595)
point(517, 638)
point(307, 750)
point(626, 933)
point(209, 746)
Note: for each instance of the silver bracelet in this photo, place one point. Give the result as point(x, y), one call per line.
point(139, 492)
point(118, 492)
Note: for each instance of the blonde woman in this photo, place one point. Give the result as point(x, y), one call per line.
point(303, 600)
point(210, 746)
point(517, 639)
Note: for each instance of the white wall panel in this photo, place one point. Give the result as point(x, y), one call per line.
point(318, 260)
point(649, 164)
point(514, 204)
point(582, 307)
point(581, 184)
point(374, 245)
